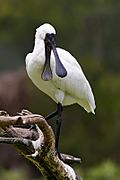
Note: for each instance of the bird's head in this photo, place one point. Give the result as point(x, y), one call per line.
point(46, 32)
point(43, 30)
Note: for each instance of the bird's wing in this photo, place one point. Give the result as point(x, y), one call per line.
point(75, 83)
point(65, 56)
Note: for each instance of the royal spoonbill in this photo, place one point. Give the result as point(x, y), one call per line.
point(57, 73)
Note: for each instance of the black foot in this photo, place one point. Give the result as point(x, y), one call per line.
point(58, 154)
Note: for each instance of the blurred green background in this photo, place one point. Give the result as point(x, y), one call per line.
point(90, 30)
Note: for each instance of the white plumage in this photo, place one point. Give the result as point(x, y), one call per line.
point(73, 88)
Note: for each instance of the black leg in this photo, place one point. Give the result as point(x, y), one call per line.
point(57, 113)
point(58, 124)
point(53, 114)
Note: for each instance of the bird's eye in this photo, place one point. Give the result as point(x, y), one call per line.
point(50, 36)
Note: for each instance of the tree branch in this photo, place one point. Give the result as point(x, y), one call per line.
point(37, 144)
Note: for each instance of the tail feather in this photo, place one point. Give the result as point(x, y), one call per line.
point(88, 106)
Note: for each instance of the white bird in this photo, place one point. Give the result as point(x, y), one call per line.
point(57, 73)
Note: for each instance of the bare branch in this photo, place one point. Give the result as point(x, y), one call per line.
point(37, 145)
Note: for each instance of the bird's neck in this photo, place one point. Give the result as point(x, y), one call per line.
point(39, 45)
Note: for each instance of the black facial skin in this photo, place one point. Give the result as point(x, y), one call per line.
point(60, 69)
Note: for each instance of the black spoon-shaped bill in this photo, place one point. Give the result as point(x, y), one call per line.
point(60, 69)
point(47, 72)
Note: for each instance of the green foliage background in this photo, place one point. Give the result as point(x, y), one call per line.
point(90, 30)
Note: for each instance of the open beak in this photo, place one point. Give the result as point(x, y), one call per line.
point(60, 69)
